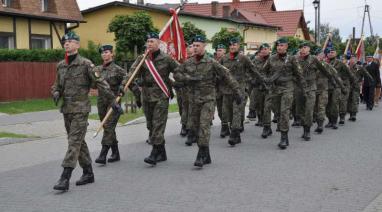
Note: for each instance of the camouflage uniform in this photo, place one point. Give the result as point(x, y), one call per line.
point(259, 91)
point(154, 102)
point(73, 83)
point(113, 74)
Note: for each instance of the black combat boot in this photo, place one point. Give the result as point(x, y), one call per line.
point(233, 138)
point(330, 123)
point(319, 128)
point(63, 183)
point(87, 176)
point(200, 157)
point(334, 124)
point(114, 154)
point(303, 133)
point(162, 156)
point(267, 131)
point(274, 120)
point(342, 119)
point(183, 131)
point(191, 138)
point(152, 158)
point(307, 133)
point(224, 131)
point(352, 117)
point(259, 122)
point(102, 155)
point(207, 158)
point(296, 123)
point(241, 129)
point(251, 114)
point(284, 142)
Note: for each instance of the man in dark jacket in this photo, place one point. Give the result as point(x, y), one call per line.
point(369, 84)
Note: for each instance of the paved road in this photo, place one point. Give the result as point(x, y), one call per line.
point(337, 171)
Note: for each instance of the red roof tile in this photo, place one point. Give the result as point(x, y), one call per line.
point(253, 17)
point(288, 20)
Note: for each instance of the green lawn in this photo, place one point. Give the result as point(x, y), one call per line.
point(32, 105)
point(126, 117)
point(13, 135)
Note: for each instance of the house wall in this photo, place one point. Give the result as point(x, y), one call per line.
point(255, 36)
point(300, 34)
point(6, 24)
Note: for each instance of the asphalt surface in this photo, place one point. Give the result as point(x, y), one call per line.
point(337, 171)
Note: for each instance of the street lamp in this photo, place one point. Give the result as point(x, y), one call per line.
point(316, 4)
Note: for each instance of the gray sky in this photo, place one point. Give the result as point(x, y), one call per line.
point(343, 14)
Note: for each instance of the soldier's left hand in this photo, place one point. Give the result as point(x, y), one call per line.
point(121, 90)
point(117, 108)
point(56, 97)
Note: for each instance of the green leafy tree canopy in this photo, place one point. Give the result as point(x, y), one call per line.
point(224, 36)
point(190, 30)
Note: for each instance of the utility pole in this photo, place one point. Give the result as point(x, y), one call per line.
point(367, 10)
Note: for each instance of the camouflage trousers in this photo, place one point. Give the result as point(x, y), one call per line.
point(333, 101)
point(232, 112)
point(258, 96)
point(343, 102)
point(281, 103)
point(185, 104)
point(320, 105)
point(109, 136)
point(307, 108)
point(298, 104)
point(202, 114)
point(252, 97)
point(353, 102)
point(156, 119)
point(76, 125)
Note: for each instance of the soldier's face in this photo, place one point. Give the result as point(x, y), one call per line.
point(199, 48)
point(107, 56)
point(190, 51)
point(220, 53)
point(264, 52)
point(71, 46)
point(332, 54)
point(321, 56)
point(152, 44)
point(369, 59)
point(353, 60)
point(304, 51)
point(234, 47)
point(282, 48)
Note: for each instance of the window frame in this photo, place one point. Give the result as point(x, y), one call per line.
point(11, 44)
point(46, 38)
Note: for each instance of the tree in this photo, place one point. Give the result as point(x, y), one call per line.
point(130, 33)
point(324, 31)
point(190, 31)
point(224, 36)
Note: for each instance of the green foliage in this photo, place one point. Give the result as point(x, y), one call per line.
point(324, 31)
point(190, 30)
point(131, 31)
point(224, 36)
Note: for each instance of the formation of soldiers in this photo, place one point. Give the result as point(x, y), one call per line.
point(306, 87)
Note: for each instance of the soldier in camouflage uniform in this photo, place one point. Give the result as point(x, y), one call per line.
point(348, 81)
point(360, 73)
point(259, 91)
point(225, 131)
point(155, 102)
point(311, 68)
point(282, 69)
point(75, 76)
point(201, 73)
point(240, 67)
point(113, 74)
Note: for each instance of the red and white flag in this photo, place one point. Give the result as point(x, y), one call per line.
point(360, 52)
point(173, 39)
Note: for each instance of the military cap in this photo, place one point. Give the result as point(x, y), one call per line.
point(264, 45)
point(152, 35)
point(70, 36)
point(234, 40)
point(282, 41)
point(221, 46)
point(317, 51)
point(199, 38)
point(105, 47)
point(303, 44)
point(329, 49)
point(369, 56)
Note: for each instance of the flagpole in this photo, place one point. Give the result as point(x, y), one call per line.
point(346, 50)
point(359, 44)
point(326, 41)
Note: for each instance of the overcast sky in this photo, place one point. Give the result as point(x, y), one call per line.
point(343, 14)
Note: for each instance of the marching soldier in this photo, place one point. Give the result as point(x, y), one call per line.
point(240, 67)
point(201, 73)
point(282, 70)
point(156, 92)
point(113, 74)
point(225, 131)
point(259, 91)
point(75, 77)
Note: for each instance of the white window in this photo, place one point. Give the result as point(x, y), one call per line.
point(6, 3)
point(41, 42)
point(44, 5)
point(7, 41)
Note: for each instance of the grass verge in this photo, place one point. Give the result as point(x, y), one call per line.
point(13, 135)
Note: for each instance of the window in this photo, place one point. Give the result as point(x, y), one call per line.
point(40, 42)
point(44, 5)
point(7, 41)
point(6, 3)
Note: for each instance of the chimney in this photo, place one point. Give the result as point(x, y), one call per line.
point(140, 2)
point(126, 1)
point(214, 8)
point(226, 10)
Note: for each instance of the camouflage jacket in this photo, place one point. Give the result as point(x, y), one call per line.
point(74, 81)
point(359, 73)
point(151, 92)
point(282, 72)
point(323, 83)
point(113, 74)
point(312, 67)
point(343, 72)
point(259, 62)
point(242, 69)
point(202, 76)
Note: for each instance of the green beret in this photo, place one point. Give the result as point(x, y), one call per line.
point(152, 35)
point(105, 47)
point(303, 44)
point(199, 38)
point(221, 46)
point(317, 51)
point(234, 40)
point(70, 36)
point(329, 49)
point(264, 45)
point(282, 41)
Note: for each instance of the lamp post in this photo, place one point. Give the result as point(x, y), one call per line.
point(316, 4)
